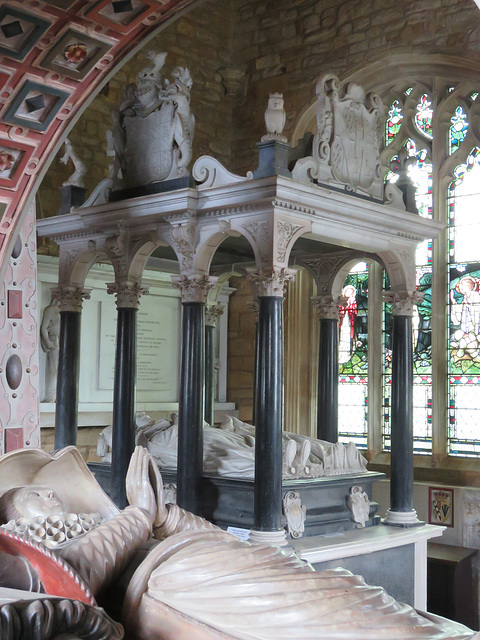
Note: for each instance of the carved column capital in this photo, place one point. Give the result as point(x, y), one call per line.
point(128, 294)
point(402, 301)
point(194, 289)
point(327, 307)
point(212, 313)
point(70, 298)
point(270, 282)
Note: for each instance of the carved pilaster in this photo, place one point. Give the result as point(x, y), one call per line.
point(70, 298)
point(403, 301)
point(182, 236)
point(194, 289)
point(327, 306)
point(117, 249)
point(212, 313)
point(127, 294)
point(253, 307)
point(270, 282)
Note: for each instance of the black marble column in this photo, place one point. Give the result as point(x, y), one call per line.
point(66, 408)
point(327, 403)
point(269, 416)
point(401, 484)
point(123, 423)
point(209, 374)
point(253, 306)
point(191, 408)
point(401, 512)
point(212, 313)
point(124, 392)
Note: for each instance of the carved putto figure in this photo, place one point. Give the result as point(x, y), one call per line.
point(196, 582)
point(346, 145)
point(152, 131)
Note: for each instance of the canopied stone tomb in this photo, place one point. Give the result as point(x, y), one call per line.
point(335, 196)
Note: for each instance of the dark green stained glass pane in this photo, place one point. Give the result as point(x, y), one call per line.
point(394, 122)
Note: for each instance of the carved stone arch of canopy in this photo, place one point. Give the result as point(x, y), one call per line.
point(272, 237)
point(211, 237)
point(342, 273)
point(326, 268)
point(76, 260)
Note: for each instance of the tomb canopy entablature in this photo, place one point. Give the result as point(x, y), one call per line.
point(271, 213)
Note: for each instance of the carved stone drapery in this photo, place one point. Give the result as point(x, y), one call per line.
point(127, 294)
point(212, 313)
point(194, 289)
point(70, 298)
point(270, 282)
point(327, 307)
point(402, 302)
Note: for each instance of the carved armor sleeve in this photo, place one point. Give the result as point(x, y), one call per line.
point(179, 520)
point(104, 552)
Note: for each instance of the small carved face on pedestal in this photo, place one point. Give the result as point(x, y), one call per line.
point(29, 502)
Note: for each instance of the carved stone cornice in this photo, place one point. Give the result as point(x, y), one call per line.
point(194, 289)
point(327, 307)
point(70, 298)
point(402, 301)
point(270, 282)
point(127, 294)
point(212, 313)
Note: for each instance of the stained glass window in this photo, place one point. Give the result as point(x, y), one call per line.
point(424, 115)
point(394, 121)
point(464, 309)
point(458, 129)
point(352, 357)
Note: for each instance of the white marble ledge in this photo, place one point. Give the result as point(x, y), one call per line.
point(362, 541)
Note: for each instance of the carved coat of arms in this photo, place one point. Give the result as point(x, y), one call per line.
point(153, 128)
point(346, 144)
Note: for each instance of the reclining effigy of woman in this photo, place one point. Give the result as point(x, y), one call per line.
point(197, 581)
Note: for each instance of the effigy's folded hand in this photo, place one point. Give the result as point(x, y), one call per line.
point(145, 487)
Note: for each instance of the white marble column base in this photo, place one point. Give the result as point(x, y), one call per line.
point(401, 518)
point(272, 538)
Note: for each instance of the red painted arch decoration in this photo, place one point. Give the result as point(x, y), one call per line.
point(54, 55)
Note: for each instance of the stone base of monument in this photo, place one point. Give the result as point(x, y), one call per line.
point(228, 502)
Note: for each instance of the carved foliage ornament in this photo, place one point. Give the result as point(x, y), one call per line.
point(182, 237)
point(295, 514)
point(260, 237)
point(194, 289)
point(70, 298)
point(128, 294)
point(116, 247)
point(285, 233)
point(327, 307)
point(212, 313)
point(402, 302)
point(271, 282)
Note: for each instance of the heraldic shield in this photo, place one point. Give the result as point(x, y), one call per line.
point(354, 153)
point(150, 149)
